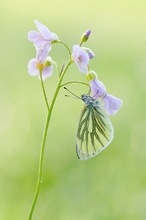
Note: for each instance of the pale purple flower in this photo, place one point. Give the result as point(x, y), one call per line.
point(34, 71)
point(112, 104)
point(42, 38)
point(81, 58)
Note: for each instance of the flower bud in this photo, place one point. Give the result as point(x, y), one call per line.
point(85, 36)
point(90, 52)
point(91, 76)
point(48, 62)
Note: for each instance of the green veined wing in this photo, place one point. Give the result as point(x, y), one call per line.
point(95, 131)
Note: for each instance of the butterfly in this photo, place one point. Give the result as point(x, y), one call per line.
point(95, 131)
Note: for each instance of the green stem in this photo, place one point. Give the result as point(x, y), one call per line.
point(77, 82)
point(41, 161)
point(40, 171)
point(61, 42)
point(44, 92)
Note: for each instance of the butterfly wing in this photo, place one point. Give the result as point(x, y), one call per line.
point(94, 133)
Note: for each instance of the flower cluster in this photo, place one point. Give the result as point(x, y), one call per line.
point(81, 56)
point(42, 41)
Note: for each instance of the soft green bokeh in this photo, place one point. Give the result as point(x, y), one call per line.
point(110, 186)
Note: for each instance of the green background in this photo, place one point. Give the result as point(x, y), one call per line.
point(110, 186)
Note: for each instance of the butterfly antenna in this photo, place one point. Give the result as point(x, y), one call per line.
point(71, 97)
point(72, 93)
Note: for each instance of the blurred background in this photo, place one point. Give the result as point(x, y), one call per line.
point(110, 186)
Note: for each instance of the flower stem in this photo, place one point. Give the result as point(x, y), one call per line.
point(41, 161)
point(44, 92)
point(40, 171)
point(69, 52)
point(76, 82)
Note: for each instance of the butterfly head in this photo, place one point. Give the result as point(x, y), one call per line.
point(88, 100)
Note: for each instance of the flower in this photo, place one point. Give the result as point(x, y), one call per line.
point(97, 87)
point(111, 103)
point(43, 38)
point(35, 67)
point(81, 58)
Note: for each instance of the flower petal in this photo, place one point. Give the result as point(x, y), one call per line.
point(33, 35)
point(45, 32)
point(112, 104)
point(39, 42)
point(47, 71)
point(41, 54)
point(82, 68)
point(32, 70)
point(97, 88)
